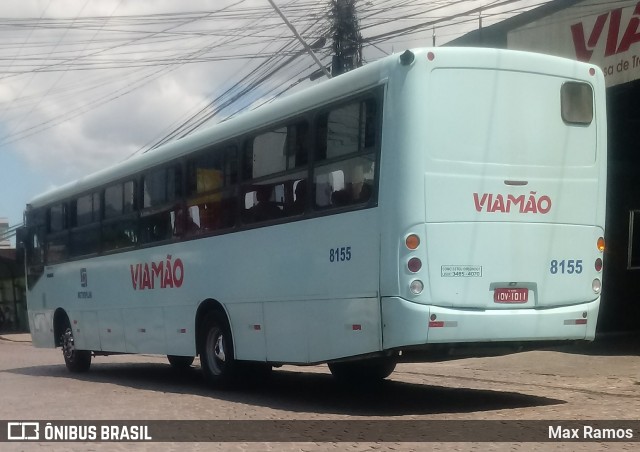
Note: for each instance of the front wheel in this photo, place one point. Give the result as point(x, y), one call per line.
point(75, 360)
point(216, 355)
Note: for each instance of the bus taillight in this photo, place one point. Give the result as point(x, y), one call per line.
point(598, 265)
point(414, 265)
point(412, 242)
point(601, 244)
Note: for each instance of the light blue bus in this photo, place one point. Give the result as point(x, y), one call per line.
point(430, 200)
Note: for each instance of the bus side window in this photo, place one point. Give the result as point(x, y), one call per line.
point(275, 165)
point(85, 232)
point(119, 228)
point(57, 237)
point(212, 193)
point(161, 210)
point(346, 158)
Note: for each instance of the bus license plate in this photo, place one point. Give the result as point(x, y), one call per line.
point(511, 295)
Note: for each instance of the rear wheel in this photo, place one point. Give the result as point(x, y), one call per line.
point(180, 362)
point(216, 355)
point(371, 370)
point(75, 360)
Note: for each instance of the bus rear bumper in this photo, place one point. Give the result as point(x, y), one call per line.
point(406, 324)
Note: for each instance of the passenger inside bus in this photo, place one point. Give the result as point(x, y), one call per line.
point(300, 200)
point(265, 209)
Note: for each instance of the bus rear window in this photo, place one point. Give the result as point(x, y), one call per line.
point(577, 103)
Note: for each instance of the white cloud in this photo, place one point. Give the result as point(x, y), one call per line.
point(69, 123)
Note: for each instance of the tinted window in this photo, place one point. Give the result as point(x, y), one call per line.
point(161, 186)
point(87, 209)
point(577, 103)
point(213, 170)
point(57, 218)
point(212, 202)
point(278, 150)
point(346, 154)
point(345, 182)
point(129, 197)
point(113, 201)
point(122, 233)
point(275, 198)
point(346, 130)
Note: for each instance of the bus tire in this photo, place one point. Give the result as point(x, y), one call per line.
point(371, 370)
point(180, 362)
point(76, 360)
point(216, 355)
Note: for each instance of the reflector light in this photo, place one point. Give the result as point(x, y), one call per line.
point(596, 285)
point(414, 264)
point(592, 71)
point(412, 242)
point(598, 265)
point(436, 324)
point(431, 56)
point(416, 287)
point(601, 244)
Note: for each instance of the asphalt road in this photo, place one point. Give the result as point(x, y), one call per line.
point(598, 382)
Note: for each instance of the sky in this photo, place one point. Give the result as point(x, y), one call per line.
point(85, 84)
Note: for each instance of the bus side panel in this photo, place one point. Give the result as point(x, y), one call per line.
point(328, 329)
point(180, 339)
point(247, 327)
point(41, 327)
point(144, 330)
point(90, 331)
point(112, 330)
point(291, 270)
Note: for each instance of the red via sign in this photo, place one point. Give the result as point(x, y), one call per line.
point(504, 295)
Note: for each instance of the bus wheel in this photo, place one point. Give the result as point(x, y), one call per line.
point(216, 356)
point(75, 360)
point(180, 362)
point(371, 370)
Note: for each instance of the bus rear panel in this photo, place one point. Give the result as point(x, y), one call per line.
point(508, 154)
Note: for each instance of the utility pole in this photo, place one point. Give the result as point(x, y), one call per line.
point(347, 40)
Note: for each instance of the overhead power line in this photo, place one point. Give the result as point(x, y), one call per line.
point(104, 58)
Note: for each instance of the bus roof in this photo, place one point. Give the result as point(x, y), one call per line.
point(323, 93)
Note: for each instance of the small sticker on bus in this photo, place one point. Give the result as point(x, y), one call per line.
point(461, 271)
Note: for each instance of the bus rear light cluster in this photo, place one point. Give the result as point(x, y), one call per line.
point(600, 244)
point(414, 264)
